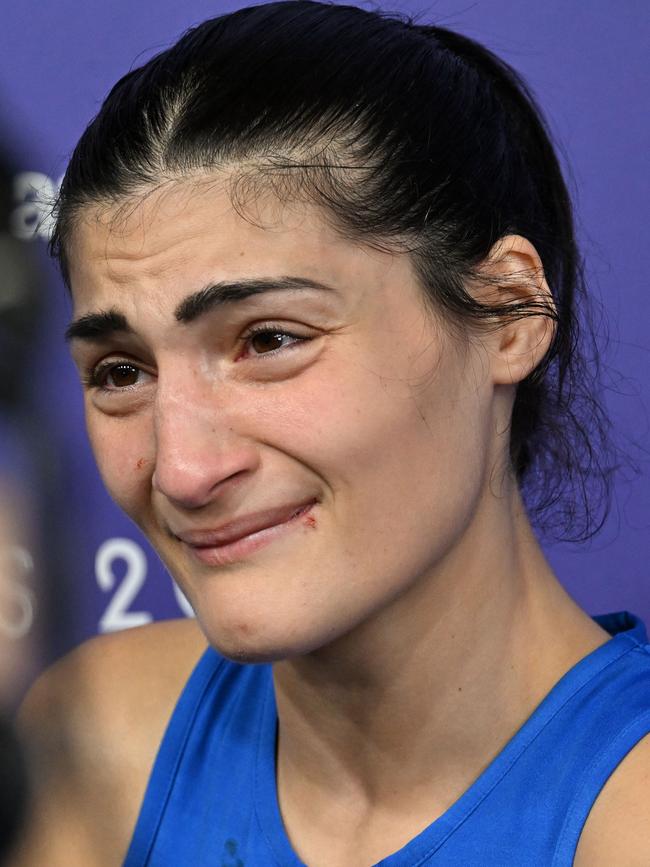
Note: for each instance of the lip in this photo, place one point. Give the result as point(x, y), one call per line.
point(243, 536)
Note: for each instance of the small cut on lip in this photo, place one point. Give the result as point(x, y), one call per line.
point(238, 528)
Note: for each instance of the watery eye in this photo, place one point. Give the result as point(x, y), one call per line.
point(121, 376)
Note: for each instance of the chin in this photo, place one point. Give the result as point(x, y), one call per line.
point(251, 648)
point(269, 638)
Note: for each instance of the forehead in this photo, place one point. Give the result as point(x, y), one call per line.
point(187, 232)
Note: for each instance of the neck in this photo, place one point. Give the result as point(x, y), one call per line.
point(427, 692)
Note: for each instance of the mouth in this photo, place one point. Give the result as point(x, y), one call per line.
point(242, 537)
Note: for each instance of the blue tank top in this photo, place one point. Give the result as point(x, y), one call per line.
point(211, 799)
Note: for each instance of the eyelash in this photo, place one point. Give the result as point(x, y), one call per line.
point(94, 377)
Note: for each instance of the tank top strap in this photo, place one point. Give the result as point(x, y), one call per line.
point(613, 751)
point(599, 771)
point(170, 756)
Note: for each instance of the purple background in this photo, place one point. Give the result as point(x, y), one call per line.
point(587, 64)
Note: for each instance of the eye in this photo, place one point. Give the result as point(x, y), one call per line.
point(267, 341)
point(121, 376)
point(115, 376)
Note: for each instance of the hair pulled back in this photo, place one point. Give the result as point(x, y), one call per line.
point(408, 136)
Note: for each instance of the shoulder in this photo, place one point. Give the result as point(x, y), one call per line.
point(119, 683)
point(617, 830)
point(92, 725)
point(107, 667)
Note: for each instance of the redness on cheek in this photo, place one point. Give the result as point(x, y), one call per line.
point(140, 463)
point(309, 521)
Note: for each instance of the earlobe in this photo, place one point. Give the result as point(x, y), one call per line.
point(515, 276)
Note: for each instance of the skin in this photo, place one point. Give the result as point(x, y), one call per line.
point(412, 619)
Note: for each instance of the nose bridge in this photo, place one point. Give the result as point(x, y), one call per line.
point(198, 445)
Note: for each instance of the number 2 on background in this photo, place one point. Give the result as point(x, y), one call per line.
point(117, 614)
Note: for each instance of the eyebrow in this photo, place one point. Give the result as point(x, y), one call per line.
point(96, 326)
point(231, 292)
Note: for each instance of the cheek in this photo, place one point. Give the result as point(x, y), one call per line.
point(360, 426)
point(401, 454)
point(124, 457)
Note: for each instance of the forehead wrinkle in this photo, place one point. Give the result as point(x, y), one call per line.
point(124, 226)
point(114, 256)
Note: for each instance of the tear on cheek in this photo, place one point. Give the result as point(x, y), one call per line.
point(140, 463)
point(309, 521)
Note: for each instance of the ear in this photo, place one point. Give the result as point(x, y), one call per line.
point(513, 273)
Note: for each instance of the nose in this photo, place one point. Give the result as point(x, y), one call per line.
point(197, 447)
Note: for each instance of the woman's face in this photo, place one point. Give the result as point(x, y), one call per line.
point(273, 406)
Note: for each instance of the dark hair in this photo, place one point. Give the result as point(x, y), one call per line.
point(409, 136)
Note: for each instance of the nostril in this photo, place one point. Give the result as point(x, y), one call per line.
point(191, 484)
